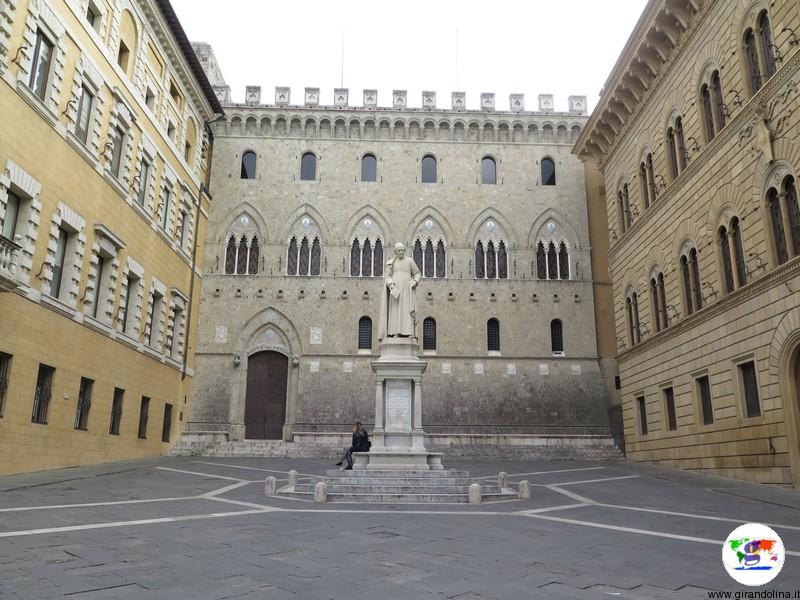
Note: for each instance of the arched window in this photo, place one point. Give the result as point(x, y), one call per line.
point(428, 169)
point(708, 112)
point(738, 251)
point(626, 206)
point(694, 271)
point(252, 259)
point(248, 165)
point(548, 171)
point(488, 170)
point(687, 285)
point(690, 277)
point(776, 221)
point(366, 259)
point(654, 301)
point(308, 167)
point(241, 257)
point(491, 261)
point(563, 261)
point(643, 185)
point(230, 256)
point(793, 209)
point(767, 47)
point(651, 179)
point(672, 150)
point(725, 256)
point(632, 310)
point(480, 261)
point(662, 300)
point(552, 261)
point(493, 335)
point(355, 259)
point(541, 261)
point(441, 264)
point(365, 333)
point(502, 261)
point(719, 99)
point(557, 337)
point(751, 57)
point(680, 144)
point(369, 168)
point(291, 258)
point(315, 257)
point(429, 334)
point(377, 260)
point(304, 260)
point(428, 260)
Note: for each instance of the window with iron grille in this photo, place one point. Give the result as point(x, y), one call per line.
point(364, 333)
point(747, 373)
point(493, 335)
point(167, 426)
point(5, 367)
point(41, 397)
point(144, 408)
point(429, 334)
point(557, 336)
point(669, 401)
point(84, 404)
point(116, 411)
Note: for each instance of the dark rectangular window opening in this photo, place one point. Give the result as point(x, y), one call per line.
point(669, 399)
point(704, 391)
point(617, 383)
point(116, 411)
point(167, 427)
point(5, 367)
point(143, 410)
point(84, 404)
point(750, 387)
point(41, 397)
point(642, 415)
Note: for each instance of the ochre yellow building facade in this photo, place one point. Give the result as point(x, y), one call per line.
point(696, 136)
point(103, 112)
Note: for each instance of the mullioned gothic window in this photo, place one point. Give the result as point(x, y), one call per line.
point(783, 208)
point(241, 255)
point(366, 249)
point(690, 278)
point(632, 314)
point(658, 301)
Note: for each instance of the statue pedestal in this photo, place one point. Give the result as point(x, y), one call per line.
point(398, 441)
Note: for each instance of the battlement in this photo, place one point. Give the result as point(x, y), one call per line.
point(576, 105)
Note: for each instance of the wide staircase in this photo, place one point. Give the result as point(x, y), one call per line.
point(398, 487)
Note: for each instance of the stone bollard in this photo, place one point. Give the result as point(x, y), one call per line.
point(524, 490)
point(475, 493)
point(320, 492)
point(502, 479)
point(270, 486)
point(292, 478)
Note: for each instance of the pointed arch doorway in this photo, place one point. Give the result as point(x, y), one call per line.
point(265, 397)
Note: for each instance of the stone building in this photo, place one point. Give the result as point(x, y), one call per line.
point(104, 159)
point(309, 201)
point(696, 137)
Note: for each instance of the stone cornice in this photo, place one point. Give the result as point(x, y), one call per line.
point(778, 276)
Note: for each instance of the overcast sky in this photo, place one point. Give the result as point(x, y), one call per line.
point(560, 47)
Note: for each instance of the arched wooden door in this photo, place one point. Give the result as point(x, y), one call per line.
point(265, 400)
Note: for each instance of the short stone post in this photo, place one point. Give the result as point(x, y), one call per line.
point(320, 492)
point(524, 490)
point(270, 486)
point(292, 478)
point(502, 479)
point(475, 493)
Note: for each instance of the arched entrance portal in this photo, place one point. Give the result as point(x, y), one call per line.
point(265, 399)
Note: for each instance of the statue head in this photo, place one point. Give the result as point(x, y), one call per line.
point(399, 249)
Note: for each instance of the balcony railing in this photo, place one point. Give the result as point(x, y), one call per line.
point(9, 259)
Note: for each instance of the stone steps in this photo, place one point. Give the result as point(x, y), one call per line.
point(399, 498)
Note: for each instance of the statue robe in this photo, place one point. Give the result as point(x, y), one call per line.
point(398, 315)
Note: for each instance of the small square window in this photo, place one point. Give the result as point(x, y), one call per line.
point(174, 93)
point(93, 16)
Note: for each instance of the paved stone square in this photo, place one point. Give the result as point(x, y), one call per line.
point(202, 528)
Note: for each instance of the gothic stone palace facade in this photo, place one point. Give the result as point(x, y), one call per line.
point(308, 203)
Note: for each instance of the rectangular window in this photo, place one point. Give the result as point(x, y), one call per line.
point(155, 320)
point(116, 411)
point(118, 139)
point(669, 402)
point(12, 214)
point(122, 56)
point(150, 99)
point(84, 404)
point(165, 198)
point(101, 265)
point(41, 397)
point(704, 394)
point(143, 410)
point(747, 374)
point(127, 318)
point(58, 264)
point(40, 65)
point(5, 367)
point(83, 119)
point(642, 415)
point(144, 175)
point(184, 228)
point(167, 427)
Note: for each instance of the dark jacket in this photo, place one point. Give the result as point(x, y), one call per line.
point(361, 442)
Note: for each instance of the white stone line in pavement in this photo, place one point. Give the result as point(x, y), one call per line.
point(674, 536)
point(692, 516)
point(212, 475)
point(205, 462)
point(573, 495)
point(243, 503)
point(552, 508)
point(9, 534)
point(228, 488)
point(90, 504)
point(563, 483)
point(543, 472)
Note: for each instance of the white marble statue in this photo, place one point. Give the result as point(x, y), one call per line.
point(398, 301)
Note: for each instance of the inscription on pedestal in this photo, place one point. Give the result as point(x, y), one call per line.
point(398, 405)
